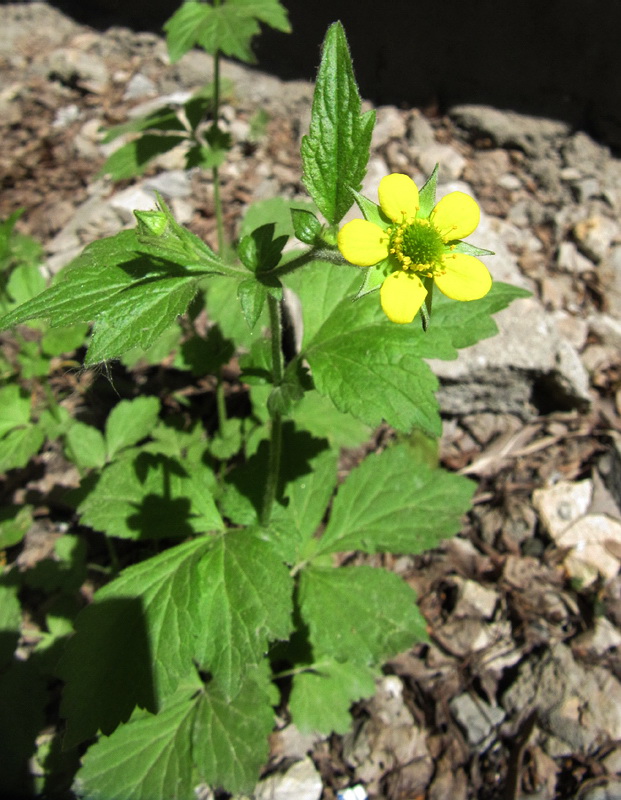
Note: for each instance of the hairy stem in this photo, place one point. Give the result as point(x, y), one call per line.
point(273, 470)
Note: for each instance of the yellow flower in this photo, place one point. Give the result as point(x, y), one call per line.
point(415, 248)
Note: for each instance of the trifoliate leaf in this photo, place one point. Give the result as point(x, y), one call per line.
point(135, 643)
point(247, 592)
point(359, 614)
point(228, 27)
point(129, 422)
point(393, 502)
point(148, 496)
point(321, 697)
point(336, 150)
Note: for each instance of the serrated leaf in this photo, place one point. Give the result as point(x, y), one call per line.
point(129, 422)
point(308, 496)
point(464, 324)
point(162, 119)
point(373, 369)
point(228, 27)
point(231, 735)
point(252, 296)
point(305, 225)
point(321, 287)
point(427, 195)
point(15, 409)
point(148, 757)
point(198, 735)
point(131, 296)
point(320, 417)
point(85, 446)
point(321, 697)
point(25, 282)
point(224, 308)
point(133, 158)
point(14, 524)
point(393, 502)
point(148, 496)
point(247, 592)
point(336, 149)
point(363, 615)
point(18, 447)
point(10, 619)
point(135, 643)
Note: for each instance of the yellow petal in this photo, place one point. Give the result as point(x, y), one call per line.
point(466, 278)
point(455, 216)
point(362, 243)
point(401, 295)
point(398, 197)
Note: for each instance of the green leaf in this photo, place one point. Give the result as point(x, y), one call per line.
point(129, 422)
point(149, 496)
point(373, 369)
point(371, 211)
point(57, 341)
point(148, 757)
point(231, 735)
point(363, 615)
point(470, 249)
point(306, 225)
point(85, 446)
point(10, 619)
point(18, 447)
point(261, 250)
point(321, 287)
point(393, 502)
point(295, 523)
point(320, 698)
point(165, 118)
point(15, 409)
point(14, 524)
point(25, 282)
point(465, 324)
point(133, 158)
point(252, 296)
point(199, 734)
point(135, 642)
point(336, 150)
point(247, 592)
point(228, 27)
point(427, 195)
point(319, 416)
point(223, 307)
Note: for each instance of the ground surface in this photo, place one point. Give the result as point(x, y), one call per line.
point(519, 692)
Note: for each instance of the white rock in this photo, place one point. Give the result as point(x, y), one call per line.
point(591, 540)
point(562, 504)
point(299, 782)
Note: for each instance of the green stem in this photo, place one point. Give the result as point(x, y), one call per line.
point(273, 469)
point(331, 255)
point(214, 170)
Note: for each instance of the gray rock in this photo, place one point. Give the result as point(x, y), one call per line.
point(477, 718)
point(139, 86)
point(533, 135)
point(74, 66)
point(389, 124)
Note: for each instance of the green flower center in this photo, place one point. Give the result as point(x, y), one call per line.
point(418, 246)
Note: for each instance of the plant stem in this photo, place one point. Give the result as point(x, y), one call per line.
point(214, 170)
point(273, 469)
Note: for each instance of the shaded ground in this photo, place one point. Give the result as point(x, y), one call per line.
point(518, 693)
